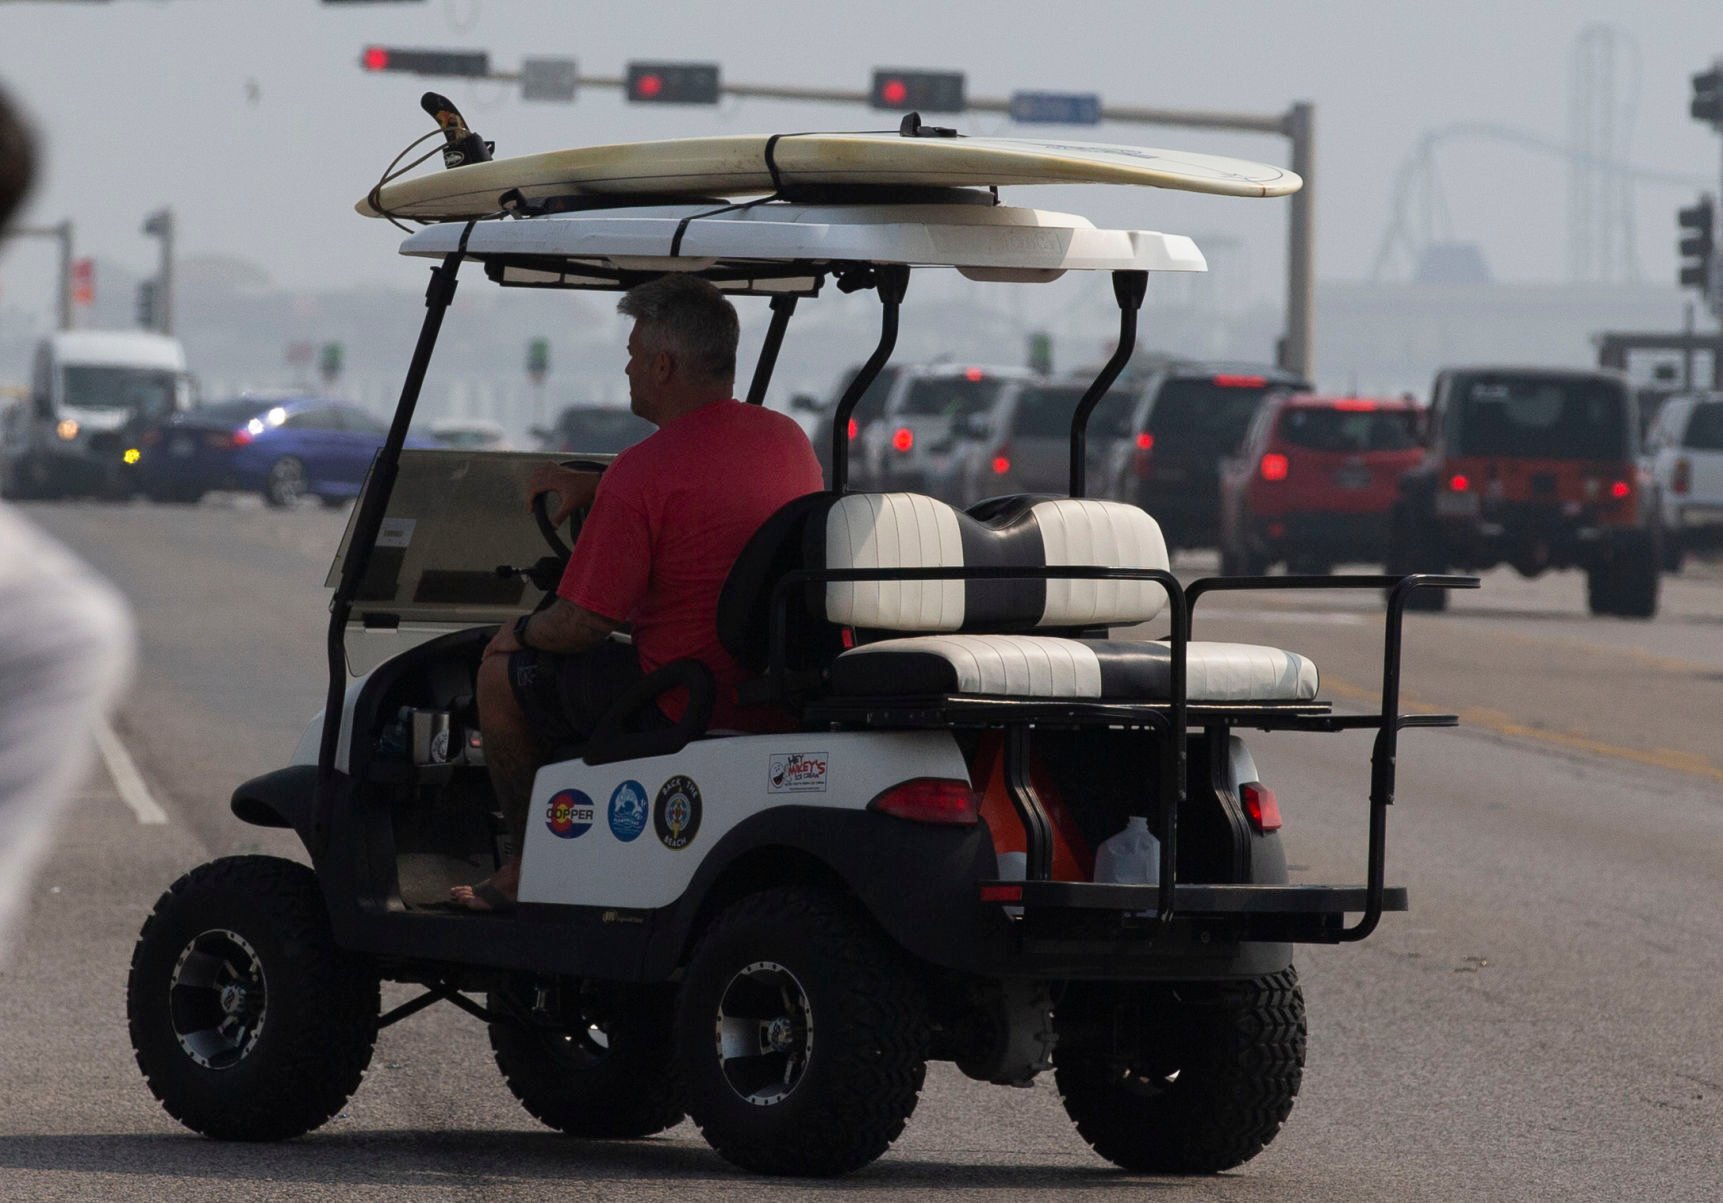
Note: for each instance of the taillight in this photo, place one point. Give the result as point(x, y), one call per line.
point(1145, 441)
point(1274, 466)
point(974, 374)
point(1226, 381)
point(1683, 478)
point(1001, 463)
point(854, 429)
point(1140, 463)
point(944, 800)
point(1260, 806)
point(903, 438)
point(1621, 490)
point(1459, 482)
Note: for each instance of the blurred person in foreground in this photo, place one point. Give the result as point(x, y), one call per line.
point(65, 646)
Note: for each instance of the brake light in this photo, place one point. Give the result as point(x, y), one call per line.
point(241, 437)
point(1145, 441)
point(903, 438)
point(997, 893)
point(1274, 466)
point(1260, 806)
point(1459, 482)
point(1225, 381)
point(974, 374)
point(945, 800)
point(1355, 405)
point(1001, 464)
point(854, 430)
point(1683, 478)
point(1621, 490)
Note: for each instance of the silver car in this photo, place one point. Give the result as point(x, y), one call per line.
point(929, 415)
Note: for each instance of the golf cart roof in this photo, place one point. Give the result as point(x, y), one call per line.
point(787, 247)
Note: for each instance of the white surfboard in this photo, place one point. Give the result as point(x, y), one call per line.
point(736, 166)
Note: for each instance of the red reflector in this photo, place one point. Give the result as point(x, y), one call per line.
point(973, 374)
point(1459, 482)
point(1145, 441)
point(1274, 466)
point(1260, 806)
point(1002, 893)
point(1620, 489)
point(847, 638)
point(1001, 465)
point(903, 438)
point(930, 800)
point(1241, 381)
point(241, 437)
point(854, 430)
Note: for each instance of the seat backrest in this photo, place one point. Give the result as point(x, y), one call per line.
point(908, 530)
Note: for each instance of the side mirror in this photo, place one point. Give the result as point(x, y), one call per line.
point(805, 401)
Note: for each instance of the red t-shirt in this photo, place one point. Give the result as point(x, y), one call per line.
point(671, 515)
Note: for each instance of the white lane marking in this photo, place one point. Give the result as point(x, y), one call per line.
point(127, 780)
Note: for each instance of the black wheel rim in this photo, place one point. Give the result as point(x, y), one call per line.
point(218, 999)
point(764, 1033)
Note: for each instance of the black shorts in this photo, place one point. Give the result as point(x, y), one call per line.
point(565, 696)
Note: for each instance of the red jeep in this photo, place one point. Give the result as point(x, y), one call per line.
point(1314, 482)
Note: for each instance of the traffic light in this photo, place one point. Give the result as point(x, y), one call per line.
point(1707, 104)
point(923, 91)
point(1697, 244)
point(426, 62)
point(147, 294)
point(537, 359)
point(673, 83)
point(329, 364)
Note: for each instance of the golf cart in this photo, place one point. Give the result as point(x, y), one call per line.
point(773, 934)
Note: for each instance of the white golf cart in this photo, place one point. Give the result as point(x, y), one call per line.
point(774, 934)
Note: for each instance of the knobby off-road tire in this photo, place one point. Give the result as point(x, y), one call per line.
point(248, 1022)
point(608, 1073)
point(1209, 1077)
point(802, 1035)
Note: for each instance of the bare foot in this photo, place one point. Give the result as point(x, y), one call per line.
point(496, 893)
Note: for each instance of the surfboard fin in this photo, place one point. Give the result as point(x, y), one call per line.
point(911, 127)
point(461, 145)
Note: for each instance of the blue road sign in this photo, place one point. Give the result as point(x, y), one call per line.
point(1056, 108)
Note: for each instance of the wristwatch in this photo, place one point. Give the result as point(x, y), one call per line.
point(520, 632)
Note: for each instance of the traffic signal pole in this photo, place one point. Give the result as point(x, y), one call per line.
point(63, 232)
point(1297, 349)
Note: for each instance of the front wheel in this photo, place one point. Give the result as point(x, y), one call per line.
point(590, 1059)
point(801, 1033)
point(1192, 1078)
point(285, 483)
point(247, 1020)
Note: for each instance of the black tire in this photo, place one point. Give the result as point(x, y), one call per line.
point(605, 1068)
point(1627, 583)
point(784, 964)
point(1600, 590)
point(1237, 560)
point(1180, 1079)
point(1414, 546)
point(286, 482)
point(1674, 553)
point(277, 1039)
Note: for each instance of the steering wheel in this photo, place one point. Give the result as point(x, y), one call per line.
point(541, 512)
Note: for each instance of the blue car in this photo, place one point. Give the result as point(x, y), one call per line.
point(283, 448)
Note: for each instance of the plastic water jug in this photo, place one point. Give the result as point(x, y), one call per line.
point(1131, 856)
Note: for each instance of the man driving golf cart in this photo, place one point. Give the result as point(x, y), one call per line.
point(667, 520)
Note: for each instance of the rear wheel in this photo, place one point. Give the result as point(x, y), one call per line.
point(1414, 546)
point(801, 1033)
point(1626, 584)
point(247, 1020)
point(596, 1062)
point(1184, 1079)
point(285, 483)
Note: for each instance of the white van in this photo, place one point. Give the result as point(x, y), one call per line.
point(86, 387)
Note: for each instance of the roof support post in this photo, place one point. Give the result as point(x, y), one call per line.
point(892, 281)
point(782, 307)
point(1129, 287)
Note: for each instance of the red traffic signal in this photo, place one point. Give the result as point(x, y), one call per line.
point(673, 83)
point(924, 91)
point(425, 62)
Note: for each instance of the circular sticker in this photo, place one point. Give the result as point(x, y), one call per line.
point(676, 813)
point(628, 811)
point(569, 814)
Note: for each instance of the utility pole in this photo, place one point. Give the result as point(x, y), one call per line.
point(63, 232)
point(160, 225)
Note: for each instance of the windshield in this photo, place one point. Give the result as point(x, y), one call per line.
point(1350, 431)
point(1705, 427)
point(109, 386)
point(1545, 417)
point(601, 430)
point(1045, 413)
point(1198, 416)
point(949, 397)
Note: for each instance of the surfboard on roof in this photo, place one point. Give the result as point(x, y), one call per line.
point(737, 165)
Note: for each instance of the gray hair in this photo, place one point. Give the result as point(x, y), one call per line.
point(689, 318)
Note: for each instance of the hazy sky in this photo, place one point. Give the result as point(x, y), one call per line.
point(254, 121)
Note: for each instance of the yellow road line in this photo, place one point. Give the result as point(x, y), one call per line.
point(1672, 759)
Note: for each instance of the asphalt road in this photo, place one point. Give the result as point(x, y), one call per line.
point(1542, 1025)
